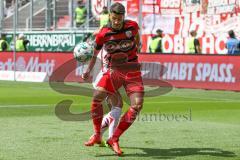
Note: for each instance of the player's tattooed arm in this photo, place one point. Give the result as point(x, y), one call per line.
point(90, 65)
point(138, 42)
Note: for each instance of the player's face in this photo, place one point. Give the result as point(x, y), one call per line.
point(116, 21)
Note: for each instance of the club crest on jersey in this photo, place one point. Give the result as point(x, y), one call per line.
point(129, 34)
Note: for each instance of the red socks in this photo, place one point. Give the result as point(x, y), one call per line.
point(125, 122)
point(97, 115)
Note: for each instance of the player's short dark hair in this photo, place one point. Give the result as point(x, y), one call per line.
point(117, 8)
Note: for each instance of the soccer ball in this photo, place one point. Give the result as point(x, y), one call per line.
point(83, 51)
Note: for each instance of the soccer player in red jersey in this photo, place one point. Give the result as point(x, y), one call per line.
point(120, 39)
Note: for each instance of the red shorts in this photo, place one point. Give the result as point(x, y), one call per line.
point(112, 80)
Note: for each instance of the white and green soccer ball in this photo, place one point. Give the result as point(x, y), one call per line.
point(83, 51)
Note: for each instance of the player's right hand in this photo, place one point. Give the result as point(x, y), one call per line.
point(85, 75)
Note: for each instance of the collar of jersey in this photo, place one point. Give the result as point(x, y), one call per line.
point(110, 26)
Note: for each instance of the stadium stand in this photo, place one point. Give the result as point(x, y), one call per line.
point(45, 16)
point(23, 15)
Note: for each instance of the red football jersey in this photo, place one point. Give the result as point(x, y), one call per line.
point(118, 42)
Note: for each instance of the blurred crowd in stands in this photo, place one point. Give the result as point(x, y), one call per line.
point(9, 6)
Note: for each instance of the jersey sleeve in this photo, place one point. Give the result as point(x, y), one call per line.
point(135, 26)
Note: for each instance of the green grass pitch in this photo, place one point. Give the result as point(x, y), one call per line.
point(184, 124)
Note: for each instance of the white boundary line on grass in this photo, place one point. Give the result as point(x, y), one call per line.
point(37, 105)
point(23, 105)
point(193, 102)
point(203, 98)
